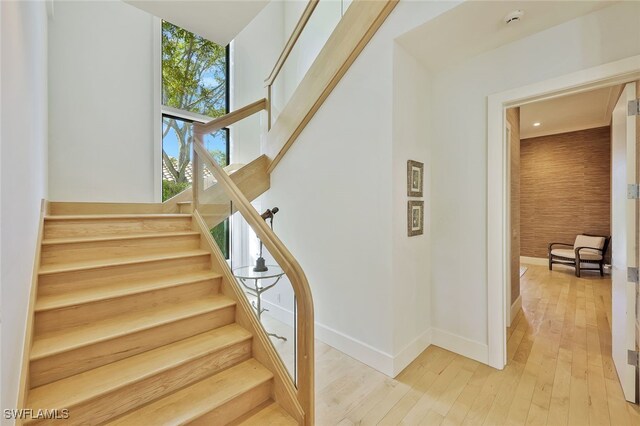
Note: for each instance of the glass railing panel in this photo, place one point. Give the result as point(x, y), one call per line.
point(321, 24)
point(213, 204)
point(266, 285)
point(176, 156)
point(263, 282)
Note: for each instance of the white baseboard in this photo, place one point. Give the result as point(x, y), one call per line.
point(534, 260)
point(460, 345)
point(383, 362)
point(515, 308)
point(363, 352)
point(411, 352)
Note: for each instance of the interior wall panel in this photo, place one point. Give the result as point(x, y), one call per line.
point(565, 188)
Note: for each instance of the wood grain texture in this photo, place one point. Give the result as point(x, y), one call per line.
point(28, 333)
point(230, 118)
point(358, 25)
point(565, 188)
point(297, 278)
point(284, 392)
point(128, 309)
point(513, 118)
point(559, 370)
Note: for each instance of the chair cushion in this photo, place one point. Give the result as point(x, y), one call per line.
point(585, 241)
point(569, 253)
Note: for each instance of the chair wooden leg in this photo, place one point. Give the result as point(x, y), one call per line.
point(601, 270)
point(550, 264)
point(577, 269)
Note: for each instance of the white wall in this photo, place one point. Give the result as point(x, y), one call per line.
point(253, 54)
point(23, 174)
point(101, 103)
point(458, 146)
point(410, 256)
point(340, 214)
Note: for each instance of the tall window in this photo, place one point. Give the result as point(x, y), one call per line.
point(194, 89)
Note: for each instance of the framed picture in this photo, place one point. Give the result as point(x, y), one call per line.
point(415, 217)
point(415, 176)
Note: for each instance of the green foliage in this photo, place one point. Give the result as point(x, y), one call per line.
point(219, 156)
point(221, 235)
point(193, 79)
point(171, 188)
point(193, 72)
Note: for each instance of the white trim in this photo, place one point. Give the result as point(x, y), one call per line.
point(543, 261)
point(157, 109)
point(375, 358)
point(379, 360)
point(497, 183)
point(411, 352)
point(507, 138)
point(515, 308)
point(460, 345)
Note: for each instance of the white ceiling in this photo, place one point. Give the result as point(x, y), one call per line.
point(217, 20)
point(475, 27)
point(569, 113)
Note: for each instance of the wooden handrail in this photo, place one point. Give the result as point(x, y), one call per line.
point(291, 267)
point(302, 22)
point(229, 119)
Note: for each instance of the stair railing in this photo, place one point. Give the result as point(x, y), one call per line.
point(304, 320)
point(288, 47)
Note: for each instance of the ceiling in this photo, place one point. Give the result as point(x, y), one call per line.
point(217, 20)
point(475, 27)
point(569, 113)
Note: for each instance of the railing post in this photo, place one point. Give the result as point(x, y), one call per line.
point(269, 107)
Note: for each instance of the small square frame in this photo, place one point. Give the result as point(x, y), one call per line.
point(415, 178)
point(415, 218)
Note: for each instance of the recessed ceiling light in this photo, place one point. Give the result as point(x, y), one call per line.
point(536, 124)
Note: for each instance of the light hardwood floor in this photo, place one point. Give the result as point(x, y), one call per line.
point(560, 370)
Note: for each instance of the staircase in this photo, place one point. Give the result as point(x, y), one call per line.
point(135, 317)
point(133, 326)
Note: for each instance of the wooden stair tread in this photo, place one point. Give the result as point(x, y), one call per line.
point(105, 263)
point(272, 414)
point(116, 290)
point(54, 241)
point(80, 336)
point(107, 378)
point(116, 216)
point(200, 398)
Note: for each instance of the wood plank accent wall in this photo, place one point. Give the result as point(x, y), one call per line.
point(513, 118)
point(565, 188)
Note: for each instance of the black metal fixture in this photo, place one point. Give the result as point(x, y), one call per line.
point(267, 215)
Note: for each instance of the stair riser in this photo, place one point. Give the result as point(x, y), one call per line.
point(70, 281)
point(237, 407)
point(75, 361)
point(185, 208)
point(103, 227)
point(60, 254)
point(56, 319)
point(129, 397)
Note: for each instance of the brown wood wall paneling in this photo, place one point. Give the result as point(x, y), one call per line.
point(513, 117)
point(565, 188)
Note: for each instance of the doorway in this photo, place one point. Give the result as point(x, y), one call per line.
point(499, 236)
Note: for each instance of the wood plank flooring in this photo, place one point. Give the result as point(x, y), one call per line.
point(560, 370)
